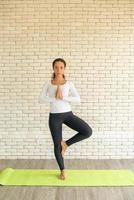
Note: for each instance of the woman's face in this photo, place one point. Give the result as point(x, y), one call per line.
point(59, 68)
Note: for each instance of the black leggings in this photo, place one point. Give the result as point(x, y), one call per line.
point(74, 122)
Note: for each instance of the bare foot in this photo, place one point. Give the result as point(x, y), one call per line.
point(64, 147)
point(62, 175)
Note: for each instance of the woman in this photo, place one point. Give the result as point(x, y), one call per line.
point(61, 113)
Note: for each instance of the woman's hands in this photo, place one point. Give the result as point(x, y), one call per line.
point(58, 93)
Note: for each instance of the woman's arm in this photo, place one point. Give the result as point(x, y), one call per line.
point(43, 97)
point(75, 96)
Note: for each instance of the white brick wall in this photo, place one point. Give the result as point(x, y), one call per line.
point(96, 38)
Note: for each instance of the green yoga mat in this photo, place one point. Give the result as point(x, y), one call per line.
point(74, 177)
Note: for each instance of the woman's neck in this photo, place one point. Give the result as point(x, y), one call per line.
point(58, 79)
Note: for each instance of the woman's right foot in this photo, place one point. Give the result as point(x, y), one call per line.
point(64, 147)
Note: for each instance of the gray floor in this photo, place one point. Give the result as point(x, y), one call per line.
point(67, 193)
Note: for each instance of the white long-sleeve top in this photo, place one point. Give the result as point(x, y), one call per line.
point(47, 95)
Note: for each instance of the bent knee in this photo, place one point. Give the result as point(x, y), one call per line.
point(89, 131)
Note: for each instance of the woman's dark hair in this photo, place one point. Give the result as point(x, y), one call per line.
point(61, 60)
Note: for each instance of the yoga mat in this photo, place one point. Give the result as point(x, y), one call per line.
point(74, 177)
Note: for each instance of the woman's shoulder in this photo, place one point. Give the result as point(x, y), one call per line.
point(68, 81)
point(71, 82)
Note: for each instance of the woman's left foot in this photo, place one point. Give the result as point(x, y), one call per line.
point(64, 147)
point(62, 175)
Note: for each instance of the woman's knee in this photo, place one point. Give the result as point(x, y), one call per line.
point(88, 131)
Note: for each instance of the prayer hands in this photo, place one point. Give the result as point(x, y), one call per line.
point(59, 93)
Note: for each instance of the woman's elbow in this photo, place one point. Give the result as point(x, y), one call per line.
point(78, 99)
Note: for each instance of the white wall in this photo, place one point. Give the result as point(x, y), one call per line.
point(96, 38)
